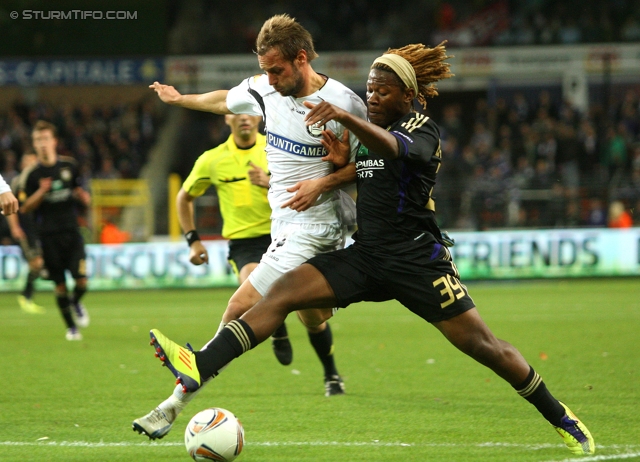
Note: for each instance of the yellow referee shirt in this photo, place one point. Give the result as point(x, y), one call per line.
point(244, 207)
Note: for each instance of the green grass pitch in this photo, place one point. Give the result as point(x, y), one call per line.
point(410, 395)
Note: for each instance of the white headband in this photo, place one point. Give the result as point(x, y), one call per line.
point(402, 67)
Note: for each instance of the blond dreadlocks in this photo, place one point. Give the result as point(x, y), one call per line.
point(428, 64)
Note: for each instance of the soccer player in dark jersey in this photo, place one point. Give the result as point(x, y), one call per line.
point(23, 231)
point(54, 193)
point(399, 251)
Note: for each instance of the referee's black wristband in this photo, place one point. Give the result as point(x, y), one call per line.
point(191, 237)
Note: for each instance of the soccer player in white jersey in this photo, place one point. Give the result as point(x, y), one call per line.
point(309, 212)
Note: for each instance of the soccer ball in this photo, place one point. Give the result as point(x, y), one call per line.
point(214, 434)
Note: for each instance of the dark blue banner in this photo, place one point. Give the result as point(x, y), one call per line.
point(66, 72)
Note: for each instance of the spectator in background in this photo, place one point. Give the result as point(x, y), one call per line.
point(111, 234)
point(521, 107)
point(9, 164)
point(107, 170)
point(482, 138)
point(568, 158)
point(538, 212)
point(452, 124)
point(597, 215)
point(618, 217)
point(545, 103)
point(547, 149)
point(631, 30)
point(615, 154)
point(589, 147)
point(530, 139)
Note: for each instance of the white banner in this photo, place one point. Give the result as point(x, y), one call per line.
point(478, 255)
point(548, 253)
point(133, 266)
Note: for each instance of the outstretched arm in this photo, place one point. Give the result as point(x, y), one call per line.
point(214, 101)
point(373, 137)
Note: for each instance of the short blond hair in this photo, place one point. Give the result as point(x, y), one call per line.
point(287, 35)
point(42, 125)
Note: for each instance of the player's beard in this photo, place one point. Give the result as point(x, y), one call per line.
point(296, 86)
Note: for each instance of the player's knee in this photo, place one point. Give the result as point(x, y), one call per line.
point(60, 289)
point(293, 291)
point(314, 320)
point(488, 351)
point(234, 311)
point(35, 264)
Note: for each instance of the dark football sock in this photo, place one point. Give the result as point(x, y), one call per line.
point(323, 344)
point(65, 309)
point(280, 332)
point(29, 286)
point(232, 341)
point(78, 292)
point(535, 391)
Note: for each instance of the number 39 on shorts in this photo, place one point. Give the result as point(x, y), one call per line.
point(450, 289)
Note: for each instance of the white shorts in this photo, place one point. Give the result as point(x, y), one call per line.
point(292, 244)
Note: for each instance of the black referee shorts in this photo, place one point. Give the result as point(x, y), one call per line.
point(62, 252)
point(245, 251)
point(423, 279)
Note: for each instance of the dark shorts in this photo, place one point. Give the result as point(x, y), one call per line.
point(64, 252)
point(245, 251)
point(423, 279)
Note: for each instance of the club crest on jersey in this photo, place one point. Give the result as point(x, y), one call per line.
point(65, 174)
point(315, 130)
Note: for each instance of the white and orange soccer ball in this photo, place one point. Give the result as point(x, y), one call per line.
point(214, 434)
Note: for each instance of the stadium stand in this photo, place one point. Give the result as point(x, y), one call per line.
point(200, 27)
point(521, 157)
point(96, 136)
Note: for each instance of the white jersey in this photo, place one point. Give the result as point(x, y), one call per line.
point(4, 187)
point(294, 150)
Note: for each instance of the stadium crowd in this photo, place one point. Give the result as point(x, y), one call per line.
point(520, 159)
point(524, 161)
point(109, 141)
point(534, 163)
point(199, 27)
